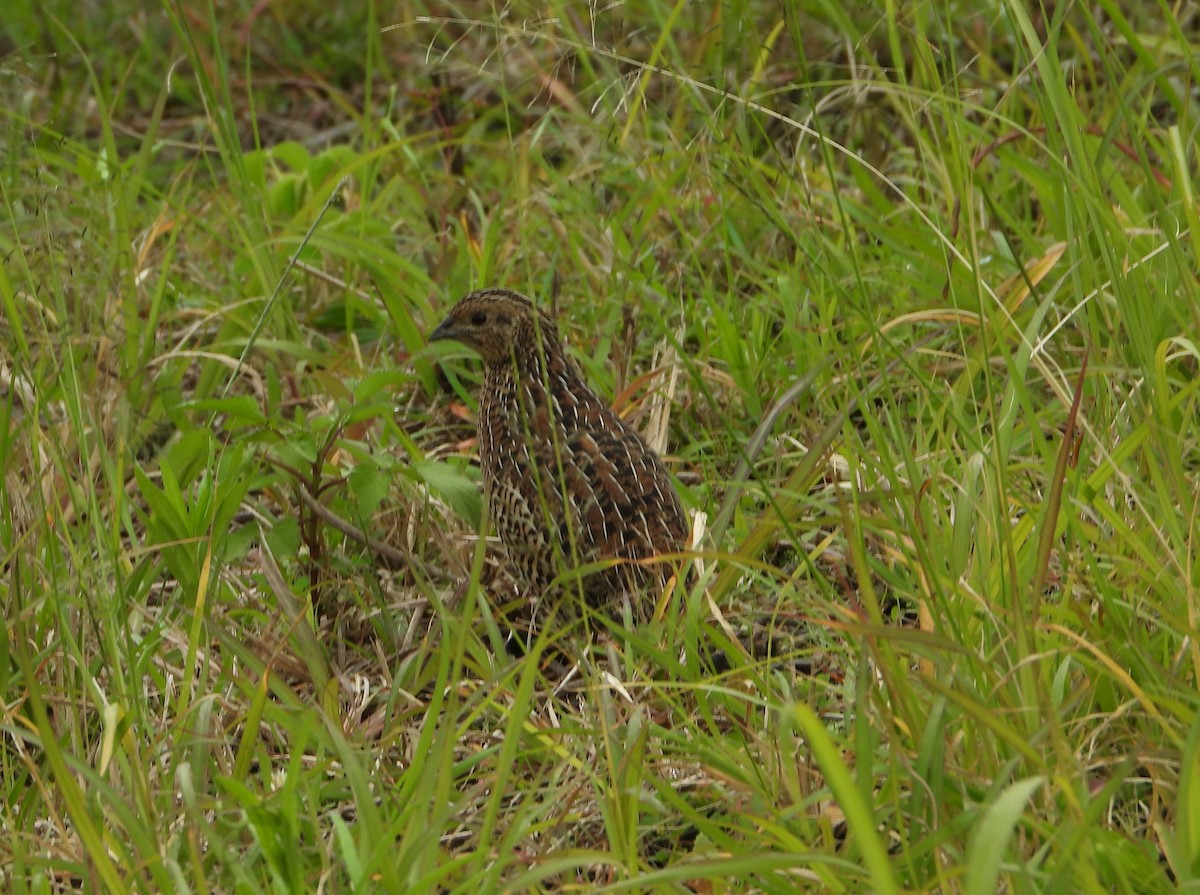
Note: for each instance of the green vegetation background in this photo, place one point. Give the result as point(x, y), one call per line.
point(908, 293)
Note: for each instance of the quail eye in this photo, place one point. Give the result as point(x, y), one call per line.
point(479, 318)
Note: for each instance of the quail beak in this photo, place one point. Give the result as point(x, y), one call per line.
point(444, 331)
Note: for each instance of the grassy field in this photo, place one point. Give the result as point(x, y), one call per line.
point(908, 293)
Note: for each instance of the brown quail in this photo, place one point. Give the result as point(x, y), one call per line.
point(567, 482)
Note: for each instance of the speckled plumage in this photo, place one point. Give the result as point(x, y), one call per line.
point(567, 481)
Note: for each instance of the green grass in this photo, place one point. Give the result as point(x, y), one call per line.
point(927, 275)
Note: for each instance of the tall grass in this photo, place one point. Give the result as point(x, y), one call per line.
point(927, 280)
